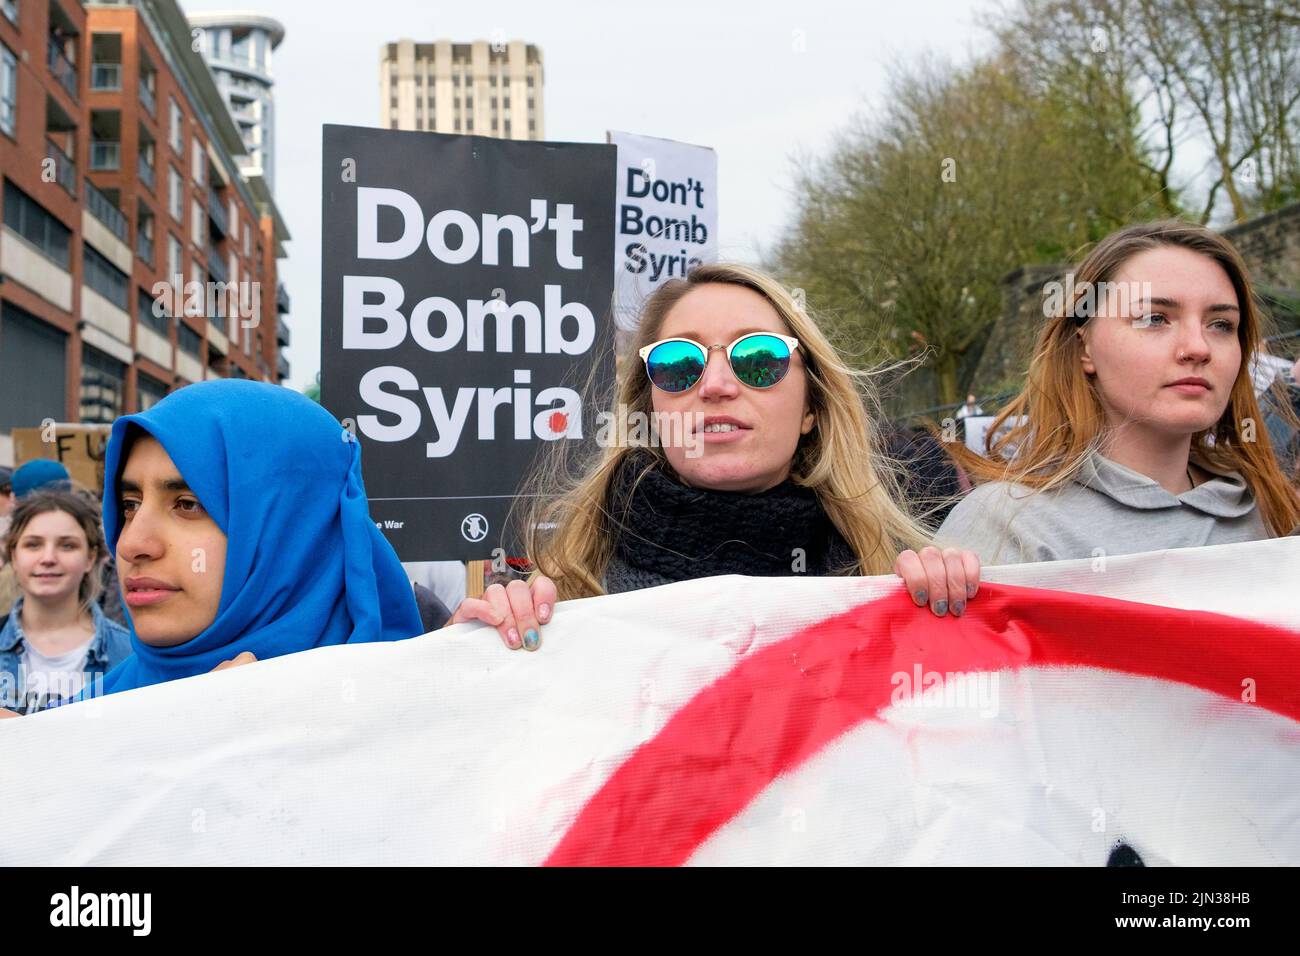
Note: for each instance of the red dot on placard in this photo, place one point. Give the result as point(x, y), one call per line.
point(559, 423)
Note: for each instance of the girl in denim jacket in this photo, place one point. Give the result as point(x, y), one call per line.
point(55, 641)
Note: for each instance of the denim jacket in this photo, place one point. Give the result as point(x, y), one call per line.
point(109, 647)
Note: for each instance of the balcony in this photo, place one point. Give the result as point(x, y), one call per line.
point(147, 99)
point(143, 246)
point(217, 265)
point(281, 332)
point(282, 367)
point(106, 76)
point(62, 68)
point(102, 208)
point(65, 170)
point(145, 172)
point(105, 154)
point(281, 298)
point(217, 212)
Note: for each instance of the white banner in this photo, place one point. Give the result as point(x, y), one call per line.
point(1149, 701)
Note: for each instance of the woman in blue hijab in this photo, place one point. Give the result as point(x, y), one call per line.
point(240, 523)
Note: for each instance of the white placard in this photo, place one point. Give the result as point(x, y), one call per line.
point(665, 217)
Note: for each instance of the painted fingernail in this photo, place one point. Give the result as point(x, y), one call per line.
point(920, 597)
point(941, 608)
point(544, 611)
point(512, 637)
point(958, 608)
point(531, 639)
point(970, 591)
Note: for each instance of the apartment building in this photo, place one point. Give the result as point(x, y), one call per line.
point(489, 89)
point(135, 257)
point(238, 47)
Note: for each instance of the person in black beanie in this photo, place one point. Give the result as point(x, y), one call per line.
point(759, 460)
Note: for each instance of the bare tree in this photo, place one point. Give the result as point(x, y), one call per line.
point(906, 228)
point(1219, 78)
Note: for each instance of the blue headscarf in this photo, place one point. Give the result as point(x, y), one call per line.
point(305, 565)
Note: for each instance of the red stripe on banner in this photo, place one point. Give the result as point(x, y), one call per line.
point(783, 704)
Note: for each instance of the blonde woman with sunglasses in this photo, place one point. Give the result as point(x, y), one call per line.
point(773, 470)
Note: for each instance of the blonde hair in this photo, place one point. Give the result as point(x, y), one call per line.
point(1057, 419)
point(570, 530)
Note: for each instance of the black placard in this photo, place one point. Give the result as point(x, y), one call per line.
point(456, 354)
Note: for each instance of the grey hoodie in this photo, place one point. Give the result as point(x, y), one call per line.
point(1107, 509)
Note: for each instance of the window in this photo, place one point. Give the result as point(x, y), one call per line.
point(33, 368)
point(29, 219)
point(11, 10)
point(144, 233)
point(149, 392)
point(188, 340)
point(197, 304)
point(245, 238)
point(105, 278)
point(8, 90)
point(199, 163)
point(103, 386)
point(232, 219)
point(146, 314)
point(175, 194)
point(530, 81)
point(198, 223)
point(175, 260)
point(259, 50)
point(176, 130)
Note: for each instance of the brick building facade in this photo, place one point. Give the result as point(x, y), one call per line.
point(118, 158)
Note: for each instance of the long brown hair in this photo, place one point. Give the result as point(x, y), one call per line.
point(1057, 419)
point(84, 513)
point(570, 531)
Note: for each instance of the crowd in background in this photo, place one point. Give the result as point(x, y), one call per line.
point(1133, 432)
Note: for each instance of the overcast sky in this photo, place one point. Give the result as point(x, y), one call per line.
point(721, 74)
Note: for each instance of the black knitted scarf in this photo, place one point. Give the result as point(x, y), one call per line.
point(667, 531)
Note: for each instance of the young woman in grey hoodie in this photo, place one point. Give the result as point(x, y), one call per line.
point(1138, 427)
